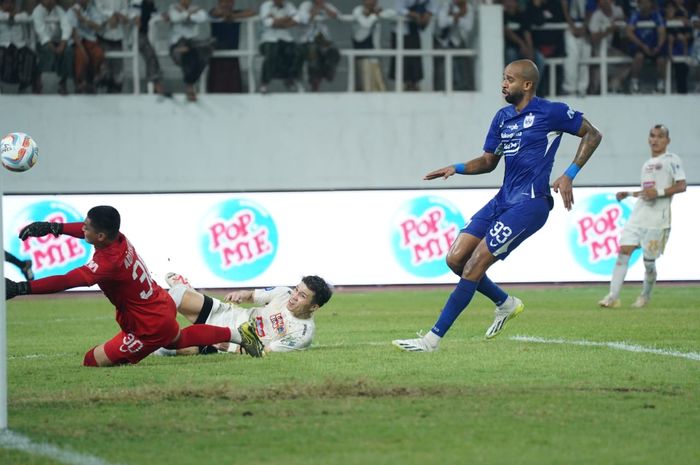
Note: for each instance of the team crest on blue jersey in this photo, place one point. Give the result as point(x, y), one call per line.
point(50, 255)
point(422, 231)
point(529, 120)
point(594, 232)
point(238, 239)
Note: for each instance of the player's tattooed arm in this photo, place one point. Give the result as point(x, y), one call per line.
point(590, 139)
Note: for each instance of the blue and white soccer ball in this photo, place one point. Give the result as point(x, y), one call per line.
point(18, 152)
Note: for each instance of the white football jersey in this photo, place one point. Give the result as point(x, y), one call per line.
point(657, 173)
point(278, 329)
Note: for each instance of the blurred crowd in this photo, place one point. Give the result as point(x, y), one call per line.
point(81, 42)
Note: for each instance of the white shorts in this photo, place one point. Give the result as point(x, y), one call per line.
point(230, 316)
point(652, 241)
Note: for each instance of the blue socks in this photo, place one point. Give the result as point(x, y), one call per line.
point(492, 291)
point(458, 301)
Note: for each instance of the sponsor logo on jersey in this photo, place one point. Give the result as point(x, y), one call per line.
point(422, 231)
point(238, 239)
point(570, 113)
point(259, 327)
point(511, 147)
point(594, 232)
point(50, 255)
point(510, 135)
point(278, 325)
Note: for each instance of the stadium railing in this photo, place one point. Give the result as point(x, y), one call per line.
point(250, 53)
point(602, 59)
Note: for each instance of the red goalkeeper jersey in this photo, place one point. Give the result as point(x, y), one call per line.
point(142, 305)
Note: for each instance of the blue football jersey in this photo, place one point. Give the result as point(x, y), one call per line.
point(529, 140)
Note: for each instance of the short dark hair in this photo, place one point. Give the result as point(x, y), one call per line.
point(664, 129)
point(105, 219)
point(322, 291)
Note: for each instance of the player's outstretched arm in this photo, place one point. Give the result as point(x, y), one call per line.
point(43, 228)
point(590, 139)
point(13, 289)
point(239, 297)
point(486, 163)
point(40, 229)
point(48, 285)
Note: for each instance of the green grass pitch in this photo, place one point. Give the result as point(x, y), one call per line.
point(354, 399)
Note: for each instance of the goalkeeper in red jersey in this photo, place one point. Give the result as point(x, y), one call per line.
point(145, 312)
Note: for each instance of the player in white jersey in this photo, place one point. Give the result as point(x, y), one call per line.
point(650, 222)
point(282, 316)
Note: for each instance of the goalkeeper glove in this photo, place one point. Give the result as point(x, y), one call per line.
point(13, 289)
point(41, 228)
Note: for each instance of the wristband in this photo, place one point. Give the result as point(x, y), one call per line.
point(460, 168)
point(660, 192)
point(572, 171)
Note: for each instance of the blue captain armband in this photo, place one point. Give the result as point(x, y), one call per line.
point(572, 171)
point(460, 168)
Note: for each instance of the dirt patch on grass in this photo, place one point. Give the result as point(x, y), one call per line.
point(326, 390)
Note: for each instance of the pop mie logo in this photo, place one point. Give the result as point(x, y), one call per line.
point(238, 239)
point(594, 234)
point(49, 255)
point(423, 230)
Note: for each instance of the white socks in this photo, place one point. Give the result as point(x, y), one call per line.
point(163, 352)
point(177, 292)
point(432, 339)
point(618, 275)
point(649, 277)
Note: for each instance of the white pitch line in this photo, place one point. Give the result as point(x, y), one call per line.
point(59, 320)
point(349, 344)
point(611, 345)
point(12, 440)
point(30, 356)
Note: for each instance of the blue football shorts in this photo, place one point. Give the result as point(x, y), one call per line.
point(504, 228)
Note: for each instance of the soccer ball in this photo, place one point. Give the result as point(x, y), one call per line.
point(18, 151)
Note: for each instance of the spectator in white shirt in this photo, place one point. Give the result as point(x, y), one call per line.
point(89, 54)
point(283, 58)
point(188, 52)
point(605, 34)
point(578, 47)
point(55, 43)
point(18, 63)
point(455, 23)
point(322, 56)
point(365, 18)
point(111, 37)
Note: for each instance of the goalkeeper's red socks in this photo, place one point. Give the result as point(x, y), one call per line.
point(201, 335)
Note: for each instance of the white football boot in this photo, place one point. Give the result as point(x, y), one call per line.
point(511, 308)
point(415, 345)
point(641, 302)
point(174, 279)
point(609, 302)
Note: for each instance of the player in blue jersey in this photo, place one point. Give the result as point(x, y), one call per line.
point(527, 134)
